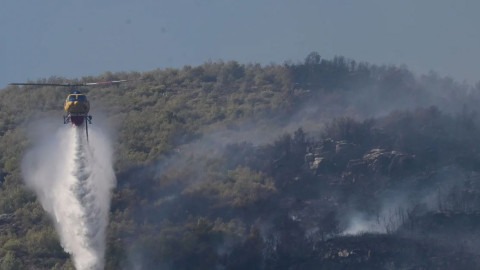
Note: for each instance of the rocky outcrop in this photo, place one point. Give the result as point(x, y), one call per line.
point(330, 156)
point(381, 161)
point(5, 218)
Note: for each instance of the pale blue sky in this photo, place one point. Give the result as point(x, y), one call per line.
point(74, 38)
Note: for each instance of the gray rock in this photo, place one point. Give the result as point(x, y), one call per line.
point(5, 218)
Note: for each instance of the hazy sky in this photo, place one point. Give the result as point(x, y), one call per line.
point(73, 38)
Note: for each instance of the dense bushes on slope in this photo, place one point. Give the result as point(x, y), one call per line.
point(201, 183)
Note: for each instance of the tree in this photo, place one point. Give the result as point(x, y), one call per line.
point(11, 262)
point(312, 59)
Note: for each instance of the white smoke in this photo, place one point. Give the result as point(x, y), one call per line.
point(388, 220)
point(400, 203)
point(73, 179)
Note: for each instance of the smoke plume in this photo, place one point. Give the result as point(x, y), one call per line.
point(73, 179)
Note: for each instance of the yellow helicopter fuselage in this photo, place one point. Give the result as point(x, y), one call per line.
point(77, 104)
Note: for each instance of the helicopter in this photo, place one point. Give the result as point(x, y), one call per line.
point(76, 104)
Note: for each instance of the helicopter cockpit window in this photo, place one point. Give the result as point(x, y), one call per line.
point(82, 98)
point(72, 98)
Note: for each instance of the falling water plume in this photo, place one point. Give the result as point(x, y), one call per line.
point(73, 179)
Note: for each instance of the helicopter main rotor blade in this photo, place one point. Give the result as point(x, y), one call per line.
point(105, 82)
point(47, 84)
point(72, 85)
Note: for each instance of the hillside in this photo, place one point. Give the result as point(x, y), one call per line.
point(327, 164)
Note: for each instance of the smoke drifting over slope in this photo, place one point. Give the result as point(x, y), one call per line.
point(73, 179)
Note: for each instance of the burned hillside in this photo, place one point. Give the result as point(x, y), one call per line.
point(319, 164)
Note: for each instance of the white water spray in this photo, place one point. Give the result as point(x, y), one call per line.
point(73, 179)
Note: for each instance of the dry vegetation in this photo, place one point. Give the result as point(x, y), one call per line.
point(188, 198)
